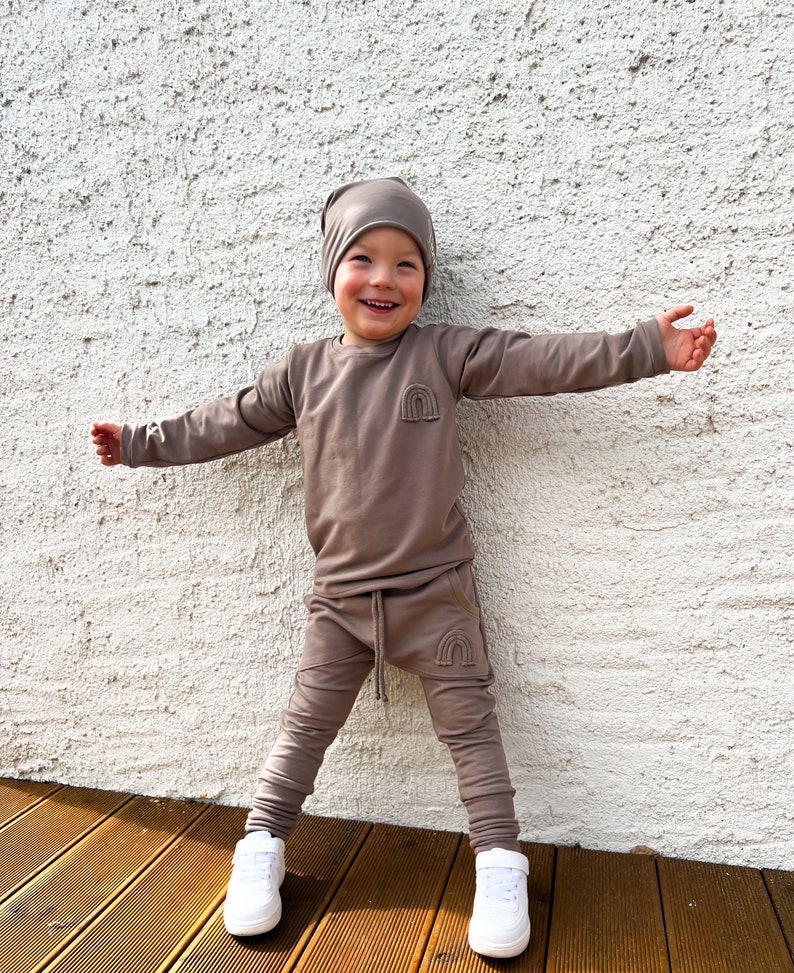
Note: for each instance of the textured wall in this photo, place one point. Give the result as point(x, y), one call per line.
point(587, 165)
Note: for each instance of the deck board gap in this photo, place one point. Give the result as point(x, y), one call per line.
point(779, 887)
point(555, 859)
point(664, 912)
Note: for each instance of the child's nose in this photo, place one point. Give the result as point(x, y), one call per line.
point(382, 275)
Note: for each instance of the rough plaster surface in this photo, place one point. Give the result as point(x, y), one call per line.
point(588, 164)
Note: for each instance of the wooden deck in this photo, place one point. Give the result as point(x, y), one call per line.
point(99, 881)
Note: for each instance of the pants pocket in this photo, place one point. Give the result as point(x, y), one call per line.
point(461, 581)
point(435, 630)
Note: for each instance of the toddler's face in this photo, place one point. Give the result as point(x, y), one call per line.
point(378, 286)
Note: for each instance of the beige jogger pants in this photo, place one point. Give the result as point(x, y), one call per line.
point(433, 631)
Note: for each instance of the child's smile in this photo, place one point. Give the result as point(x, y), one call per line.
point(378, 286)
point(379, 305)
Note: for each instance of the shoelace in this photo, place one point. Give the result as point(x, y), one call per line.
point(255, 866)
point(500, 884)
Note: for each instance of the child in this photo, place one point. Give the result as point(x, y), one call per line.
point(374, 413)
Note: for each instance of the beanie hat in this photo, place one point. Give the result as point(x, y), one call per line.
point(360, 206)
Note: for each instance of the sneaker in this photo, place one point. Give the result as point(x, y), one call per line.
point(499, 924)
point(253, 902)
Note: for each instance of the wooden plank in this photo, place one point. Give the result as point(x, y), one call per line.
point(48, 912)
point(33, 840)
point(606, 915)
point(155, 917)
point(380, 919)
point(448, 946)
point(781, 890)
point(720, 920)
point(17, 796)
point(318, 856)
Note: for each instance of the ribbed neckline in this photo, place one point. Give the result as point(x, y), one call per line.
point(375, 351)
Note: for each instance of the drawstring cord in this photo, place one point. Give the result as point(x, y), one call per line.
point(378, 643)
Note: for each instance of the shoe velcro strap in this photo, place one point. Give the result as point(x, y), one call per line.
point(502, 858)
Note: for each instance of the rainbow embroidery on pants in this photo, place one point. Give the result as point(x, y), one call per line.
point(419, 403)
point(446, 649)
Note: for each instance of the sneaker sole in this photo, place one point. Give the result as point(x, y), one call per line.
point(253, 928)
point(500, 950)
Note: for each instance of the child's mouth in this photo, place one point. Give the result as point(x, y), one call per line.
point(379, 306)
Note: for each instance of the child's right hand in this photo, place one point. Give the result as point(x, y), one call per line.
point(106, 436)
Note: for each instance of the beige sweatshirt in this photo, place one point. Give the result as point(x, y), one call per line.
point(382, 465)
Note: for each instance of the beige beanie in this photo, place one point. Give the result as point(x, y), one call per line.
point(360, 206)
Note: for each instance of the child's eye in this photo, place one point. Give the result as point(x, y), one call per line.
point(407, 263)
point(362, 257)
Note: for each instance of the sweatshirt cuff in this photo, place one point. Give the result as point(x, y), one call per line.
point(653, 337)
point(126, 444)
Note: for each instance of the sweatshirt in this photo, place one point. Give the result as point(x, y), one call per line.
point(382, 464)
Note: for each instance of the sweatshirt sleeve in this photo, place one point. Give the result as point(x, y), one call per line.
point(496, 364)
point(256, 415)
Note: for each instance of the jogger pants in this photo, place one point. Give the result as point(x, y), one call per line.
point(433, 631)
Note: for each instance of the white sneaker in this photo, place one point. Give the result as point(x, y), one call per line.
point(499, 924)
point(253, 902)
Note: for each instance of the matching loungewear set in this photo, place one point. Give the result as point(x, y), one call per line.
point(383, 474)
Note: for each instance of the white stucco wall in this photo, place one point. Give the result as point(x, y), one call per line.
point(587, 164)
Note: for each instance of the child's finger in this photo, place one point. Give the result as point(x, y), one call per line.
point(678, 312)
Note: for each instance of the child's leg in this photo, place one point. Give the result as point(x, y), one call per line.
point(436, 632)
point(464, 718)
point(333, 667)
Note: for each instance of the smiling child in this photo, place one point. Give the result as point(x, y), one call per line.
point(374, 410)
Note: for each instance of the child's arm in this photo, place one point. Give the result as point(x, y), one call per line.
point(106, 436)
point(686, 348)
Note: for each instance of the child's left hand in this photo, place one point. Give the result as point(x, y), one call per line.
point(686, 348)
